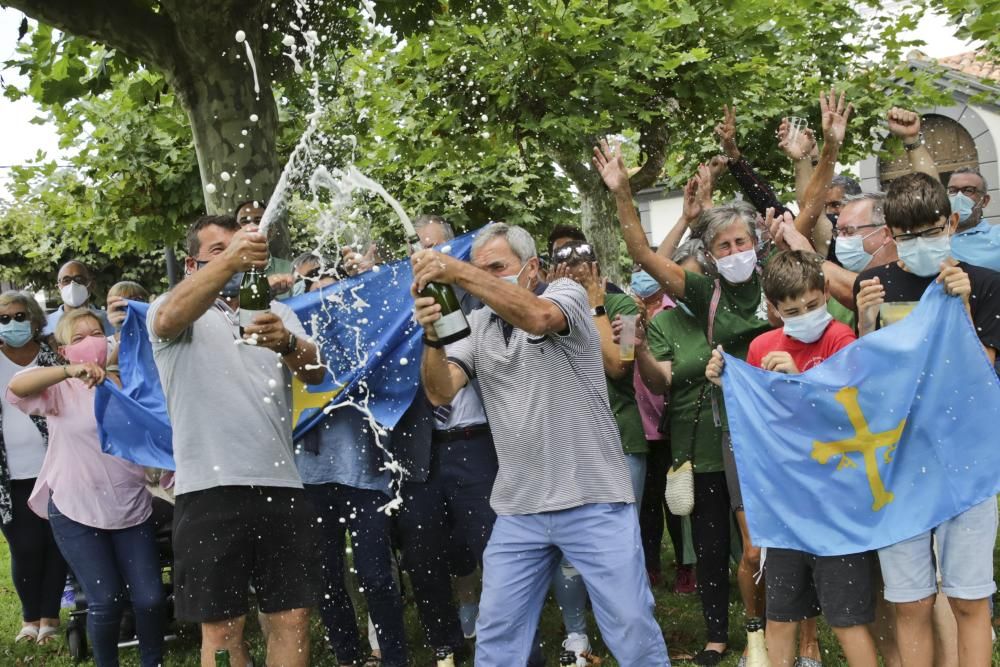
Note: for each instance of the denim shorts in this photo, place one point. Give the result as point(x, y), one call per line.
point(964, 559)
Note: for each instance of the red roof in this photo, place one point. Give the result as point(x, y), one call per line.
point(973, 63)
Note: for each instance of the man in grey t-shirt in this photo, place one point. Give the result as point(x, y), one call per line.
point(241, 514)
point(563, 484)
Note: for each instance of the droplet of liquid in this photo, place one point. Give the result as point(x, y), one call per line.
point(241, 36)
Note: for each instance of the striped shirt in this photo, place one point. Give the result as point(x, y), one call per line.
point(547, 402)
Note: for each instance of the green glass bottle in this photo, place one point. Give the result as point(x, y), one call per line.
point(452, 325)
point(255, 296)
point(222, 658)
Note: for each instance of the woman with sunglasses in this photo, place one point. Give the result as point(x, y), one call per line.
point(37, 567)
point(97, 504)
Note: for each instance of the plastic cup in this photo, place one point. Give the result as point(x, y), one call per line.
point(626, 345)
point(796, 126)
point(890, 313)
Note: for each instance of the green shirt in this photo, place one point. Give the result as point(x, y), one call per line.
point(841, 313)
point(675, 336)
point(621, 392)
point(740, 316)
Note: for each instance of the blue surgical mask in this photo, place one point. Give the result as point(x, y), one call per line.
point(232, 287)
point(962, 205)
point(16, 334)
point(644, 285)
point(809, 327)
point(850, 252)
point(923, 256)
point(514, 278)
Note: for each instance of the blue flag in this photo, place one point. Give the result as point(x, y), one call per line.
point(888, 438)
point(368, 341)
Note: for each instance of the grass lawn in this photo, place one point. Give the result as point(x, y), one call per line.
point(679, 616)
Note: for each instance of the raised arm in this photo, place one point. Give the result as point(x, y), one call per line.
point(800, 150)
point(839, 280)
point(609, 164)
point(906, 125)
point(756, 188)
point(693, 207)
point(189, 300)
point(836, 113)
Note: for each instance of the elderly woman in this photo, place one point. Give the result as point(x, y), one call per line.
point(37, 566)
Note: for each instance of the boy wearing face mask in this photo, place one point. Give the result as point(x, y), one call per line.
point(919, 215)
point(801, 585)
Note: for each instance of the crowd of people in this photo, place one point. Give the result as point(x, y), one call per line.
point(538, 455)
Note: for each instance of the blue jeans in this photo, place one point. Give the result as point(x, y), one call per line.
point(602, 542)
point(114, 567)
point(344, 508)
point(569, 589)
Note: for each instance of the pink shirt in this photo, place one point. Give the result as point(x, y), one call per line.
point(650, 404)
point(87, 485)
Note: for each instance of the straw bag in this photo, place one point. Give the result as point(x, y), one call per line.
point(680, 489)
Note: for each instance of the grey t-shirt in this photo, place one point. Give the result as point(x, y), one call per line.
point(229, 403)
point(547, 402)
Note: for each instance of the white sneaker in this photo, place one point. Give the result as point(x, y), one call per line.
point(579, 644)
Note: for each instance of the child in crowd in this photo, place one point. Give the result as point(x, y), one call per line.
point(97, 504)
point(919, 216)
point(801, 585)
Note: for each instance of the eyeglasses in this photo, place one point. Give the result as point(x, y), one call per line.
point(79, 280)
point(927, 233)
point(851, 230)
point(968, 190)
point(581, 251)
point(17, 317)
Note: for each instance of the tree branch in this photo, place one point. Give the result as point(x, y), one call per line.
point(652, 142)
point(130, 26)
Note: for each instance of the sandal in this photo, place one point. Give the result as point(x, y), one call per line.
point(47, 633)
point(28, 633)
point(373, 661)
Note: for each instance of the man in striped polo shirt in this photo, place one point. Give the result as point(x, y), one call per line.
point(563, 484)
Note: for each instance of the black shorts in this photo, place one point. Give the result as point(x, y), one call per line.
point(801, 586)
point(228, 537)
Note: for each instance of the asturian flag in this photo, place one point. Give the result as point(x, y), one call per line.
point(888, 438)
point(368, 341)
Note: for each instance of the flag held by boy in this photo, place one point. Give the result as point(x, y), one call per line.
point(885, 440)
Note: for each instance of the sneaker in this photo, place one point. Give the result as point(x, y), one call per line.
point(468, 614)
point(685, 582)
point(578, 643)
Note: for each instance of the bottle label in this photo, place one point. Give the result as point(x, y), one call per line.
point(450, 324)
point(246, 316)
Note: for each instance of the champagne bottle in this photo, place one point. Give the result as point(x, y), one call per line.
point(756, 647)
point(452, 325)
point(222, 658)
point(567, 659)
point(255, 296)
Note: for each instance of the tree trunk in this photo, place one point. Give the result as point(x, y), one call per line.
point(218, 94)
point(599, 221)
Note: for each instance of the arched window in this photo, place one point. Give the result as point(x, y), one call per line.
point(949, 143)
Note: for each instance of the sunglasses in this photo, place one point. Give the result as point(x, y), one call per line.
point(79, 280)
point(17, 317)
point(580, 251)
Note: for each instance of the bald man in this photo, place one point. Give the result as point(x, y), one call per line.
point(75, 283)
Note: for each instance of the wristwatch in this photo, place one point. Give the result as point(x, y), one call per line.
point(597, 311)
point(916, 144)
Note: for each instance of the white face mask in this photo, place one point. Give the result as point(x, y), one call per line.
point(513, 280)
point(74, 295)
point(738, 267)
point(808, 328)
point(923, 256)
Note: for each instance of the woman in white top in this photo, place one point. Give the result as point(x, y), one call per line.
point(37, 566)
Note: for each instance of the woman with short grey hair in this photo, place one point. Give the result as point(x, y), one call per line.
point(37, 566)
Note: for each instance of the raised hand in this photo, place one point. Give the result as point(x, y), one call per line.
point(692, 202)
point(835, 112)
point(726, 131)
point(871, 296)
point(801, 148)
point(783, 232)
point(247, 249)
point(609, 164)
point(718, 166)
point(904, 124)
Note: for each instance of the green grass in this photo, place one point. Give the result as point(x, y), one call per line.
point(679, 616)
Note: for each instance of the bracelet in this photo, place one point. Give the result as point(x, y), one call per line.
point(436, 344)
point(293, 344)
point(916, 144)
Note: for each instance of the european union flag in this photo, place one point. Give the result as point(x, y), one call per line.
point(368, 340)
point(890, 437)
